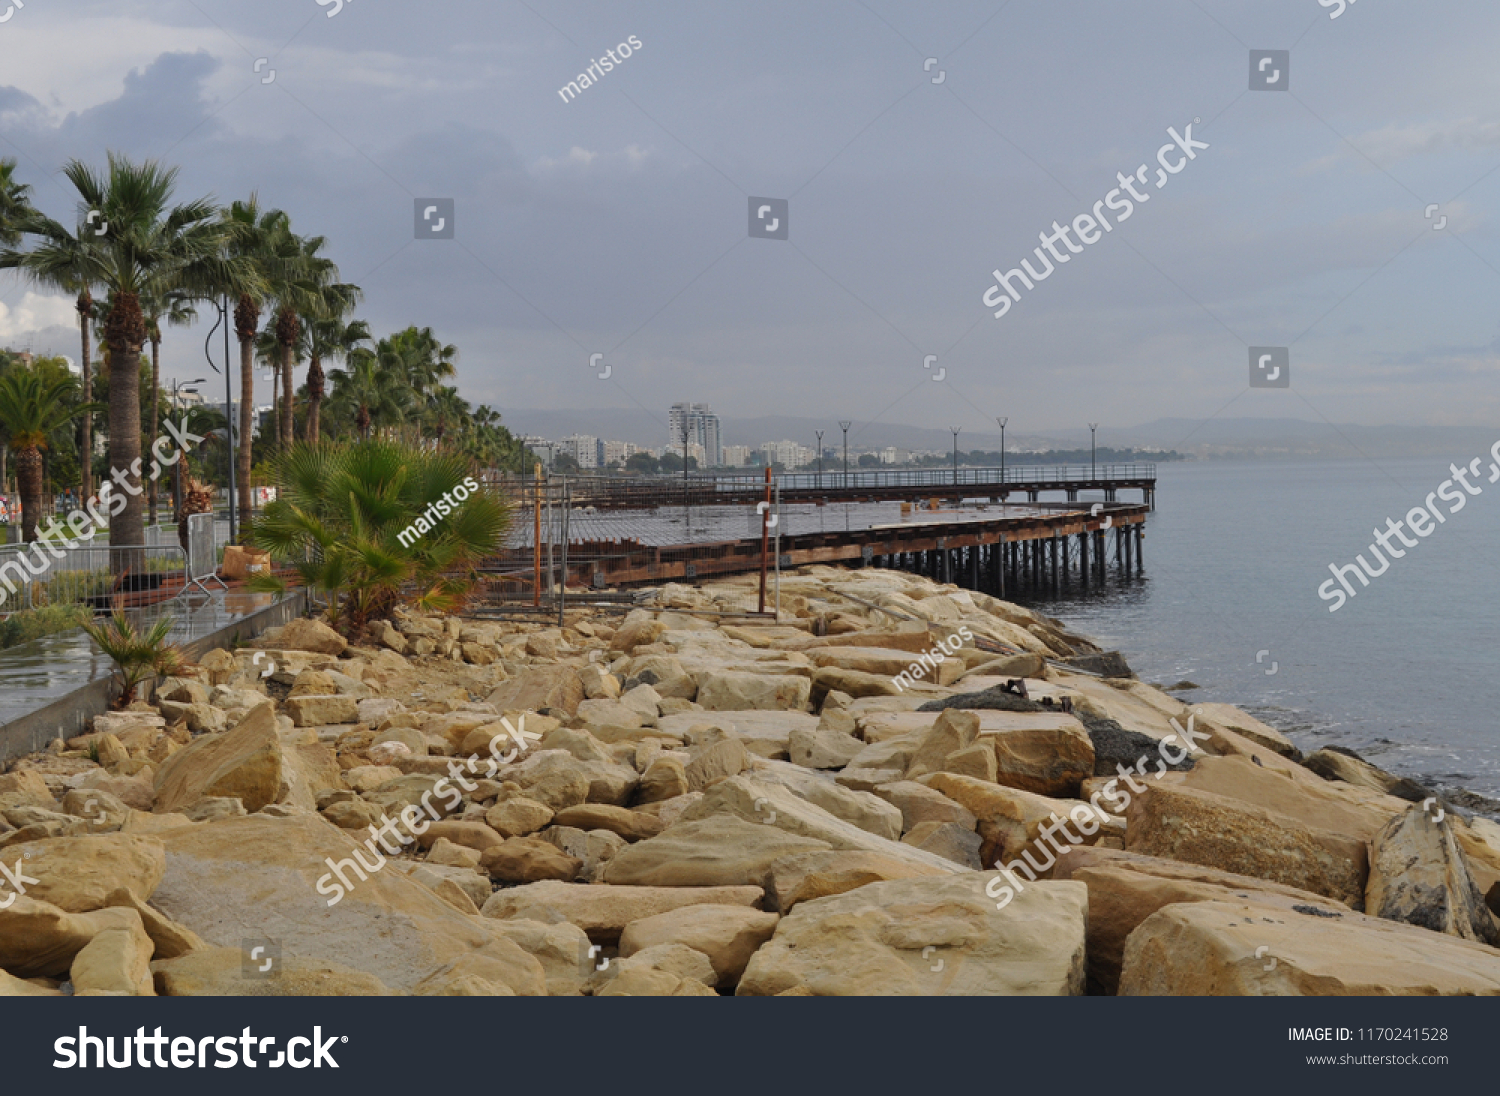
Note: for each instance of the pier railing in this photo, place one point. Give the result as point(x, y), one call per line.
point(708, 489)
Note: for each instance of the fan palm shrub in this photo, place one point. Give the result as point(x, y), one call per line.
point(340, 515)
point(138, 655)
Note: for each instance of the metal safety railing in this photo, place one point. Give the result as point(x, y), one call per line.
point(98, 576)
point(202, 552)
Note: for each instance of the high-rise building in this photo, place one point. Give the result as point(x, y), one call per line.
point(701, 425)
point(737, 456)
point(584, 448)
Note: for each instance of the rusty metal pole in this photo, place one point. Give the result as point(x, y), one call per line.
point(536, 540)
point(765, 540)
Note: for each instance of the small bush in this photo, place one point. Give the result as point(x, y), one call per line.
point(28, 624)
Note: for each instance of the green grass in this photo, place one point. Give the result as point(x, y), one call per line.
point(29, 624)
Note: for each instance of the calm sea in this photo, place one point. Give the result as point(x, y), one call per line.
point(1405, 672)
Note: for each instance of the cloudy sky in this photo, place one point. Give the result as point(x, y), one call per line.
point(617, 223)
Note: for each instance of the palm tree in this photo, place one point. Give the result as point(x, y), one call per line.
point(32, 407)
point(309, 296)
point(329, 338)
point(446, 411)
point(15, 204)
point(176, 307)
point(367, 392)
point(340, 519)
point(261, 239)
point(143, 245)
point(67, 267)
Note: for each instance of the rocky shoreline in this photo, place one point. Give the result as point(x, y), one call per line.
point(680, 802)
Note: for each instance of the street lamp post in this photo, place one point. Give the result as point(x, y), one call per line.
point(955, 430)
point(222, 307)
point(844, 425)
point(177, 389)
point(1002, 422)
point(1093, 451)
point(820, 458)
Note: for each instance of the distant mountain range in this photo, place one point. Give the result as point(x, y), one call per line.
point(1216, 438)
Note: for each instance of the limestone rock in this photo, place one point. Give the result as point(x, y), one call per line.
point(602, 910)
point(719, 850)
point(822, 748)
point(384, 924)
point(664, 778)
point(952, 731)
point(1226, 948)
point(636, 981)
point(598, 684)
point(116, 962)
point(39, 940)
point(875, 941)
point(518, 816)
point(676, 959)
point(1218, 832)
point(736, 691)
point(1048, 753)
point(168, 938)
point(562, 949)
point(539, 688)
point(728, 935)
point(716, 761)
point(445, 853)
point(1011, 820)
point(948, 840)
point(919, 803)
point(772, 805)
point(528, 860)
point(219, 972)
point(1339, 764)
point(553, 777)
point(471, 835)
point(1126, 888)
point(250, 763)
point(631, 825)
point(595, 848)
point(322, 711)
point(805, 876)
point(1419, 874)
point(79, 874)
point(862, 809)
point(302, 634)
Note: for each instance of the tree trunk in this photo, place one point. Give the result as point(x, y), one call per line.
point(86, 445)
point(155, 411)
point(362, 420)
point(314, 398)
point(246, 318)
point(288, 327)
point(126, 332)
point(29, 481)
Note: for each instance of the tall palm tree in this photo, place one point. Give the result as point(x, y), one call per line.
point(175, 306)
point(263, 240)
point(318, 294)
point(446, 412)
point(32, 407)
point(15, 204)
point(367, 392)
point(329, 338)
point(67, 268)
point(142, 244)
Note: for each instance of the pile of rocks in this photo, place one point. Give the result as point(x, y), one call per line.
point(684, 803)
